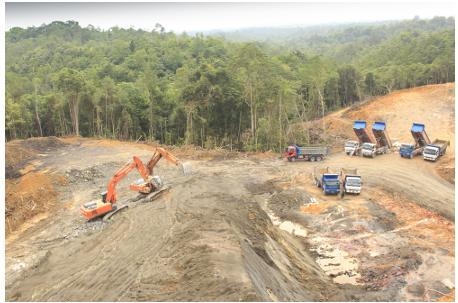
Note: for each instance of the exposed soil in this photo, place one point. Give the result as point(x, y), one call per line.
point(240, 227)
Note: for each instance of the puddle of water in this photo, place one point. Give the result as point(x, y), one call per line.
point(332, 260)
point(293, 228)
point(288, 226)
point(336, 262)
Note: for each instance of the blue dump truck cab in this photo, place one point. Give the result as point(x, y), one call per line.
point(418, 132)
point(327, 180)
point(330, 184)
point(407, 150)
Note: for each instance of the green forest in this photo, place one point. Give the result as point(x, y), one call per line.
point(246, 90)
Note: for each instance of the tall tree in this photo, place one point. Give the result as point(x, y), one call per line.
point(71, 83)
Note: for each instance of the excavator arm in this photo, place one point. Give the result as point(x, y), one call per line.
point(157, 155)
point(121, 173)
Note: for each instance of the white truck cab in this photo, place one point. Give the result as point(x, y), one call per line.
point(431, 153)
point(352, 147)
point(353, 184)
point(368, 149)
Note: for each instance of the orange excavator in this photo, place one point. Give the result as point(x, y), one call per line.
point(146, 185)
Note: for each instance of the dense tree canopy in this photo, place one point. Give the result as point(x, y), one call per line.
point(210, 91)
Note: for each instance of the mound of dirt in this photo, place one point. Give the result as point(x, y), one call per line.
point(446, 168)
point(85, 175)
point(19, 152)
point(28, 196)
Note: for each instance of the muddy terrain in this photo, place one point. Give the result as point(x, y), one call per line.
point(238, 227)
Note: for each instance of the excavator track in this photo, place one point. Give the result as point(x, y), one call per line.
point(154, 195)
point(107, 216)
point(141, 198)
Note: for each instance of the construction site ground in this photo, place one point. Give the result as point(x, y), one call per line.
point(240, 226)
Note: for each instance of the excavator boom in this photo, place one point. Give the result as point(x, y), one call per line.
point(121, 173)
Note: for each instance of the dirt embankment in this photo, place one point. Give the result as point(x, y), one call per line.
point(28, 191)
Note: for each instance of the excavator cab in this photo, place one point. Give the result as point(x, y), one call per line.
point(154, 183)
point(96, 208)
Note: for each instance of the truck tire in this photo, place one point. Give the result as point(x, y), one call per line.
point(289, 159)
point(410, 156)
point(319, 158)
point(312, 159)
point(373, 155)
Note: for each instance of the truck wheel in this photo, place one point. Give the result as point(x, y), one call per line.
point(373, 155)
point(319, 158)
point(289, 159)
point(410, 156)
point(293, 159)
point(312, 159)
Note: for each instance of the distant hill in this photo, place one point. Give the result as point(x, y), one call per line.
point(342, 42)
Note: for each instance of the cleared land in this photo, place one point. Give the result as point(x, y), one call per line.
point(241, 226)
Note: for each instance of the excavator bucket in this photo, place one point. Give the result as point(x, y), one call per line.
point(186, 168)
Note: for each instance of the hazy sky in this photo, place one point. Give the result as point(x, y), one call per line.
point(188, 16)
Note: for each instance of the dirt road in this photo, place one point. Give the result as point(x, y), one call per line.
point(250, 228)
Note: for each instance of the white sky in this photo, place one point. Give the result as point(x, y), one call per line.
point(189, 16)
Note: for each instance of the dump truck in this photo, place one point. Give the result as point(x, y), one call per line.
point(307, 153)
point(382, 141)
point(350, 180)
point(352, 147)
point(359, 127)
point(433, 151)
point(408, 150)
point(327, 180)
point(371, 150)
point(381, 135)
